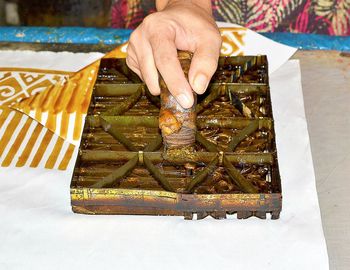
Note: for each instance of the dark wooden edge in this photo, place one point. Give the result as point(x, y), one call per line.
point(148, 202)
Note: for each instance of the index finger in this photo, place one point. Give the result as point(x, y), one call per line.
point(168, 65)
point(204, 63)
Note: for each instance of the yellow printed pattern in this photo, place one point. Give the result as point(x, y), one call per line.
point(19, 84)
point(42, 115)
point(232, 41)
point(25, 142)
point(62, 106)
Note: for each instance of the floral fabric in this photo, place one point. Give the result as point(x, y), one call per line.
point(331, 17)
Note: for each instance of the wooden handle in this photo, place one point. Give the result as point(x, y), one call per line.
point(178, 125)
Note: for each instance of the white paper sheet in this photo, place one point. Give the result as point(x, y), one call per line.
point(39, 231)
point(65, 61)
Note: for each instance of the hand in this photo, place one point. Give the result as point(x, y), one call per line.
point(179, 25)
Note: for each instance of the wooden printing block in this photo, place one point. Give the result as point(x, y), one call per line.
point(231, 168)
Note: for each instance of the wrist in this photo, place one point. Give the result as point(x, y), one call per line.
point(204, 4)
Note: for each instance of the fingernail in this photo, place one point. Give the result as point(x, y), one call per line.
point(200, 83)
point(184, 101)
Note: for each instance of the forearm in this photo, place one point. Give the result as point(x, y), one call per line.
point(205, 4)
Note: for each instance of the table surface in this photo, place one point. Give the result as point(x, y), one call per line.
point(326, 89)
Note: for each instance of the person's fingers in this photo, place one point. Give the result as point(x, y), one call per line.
point(131, 61)
point(148, 68)
point(204, 64)
point(134, 67)
point(165, 57)
point(140, 60)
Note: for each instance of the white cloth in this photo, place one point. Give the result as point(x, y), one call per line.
point(39, 231)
